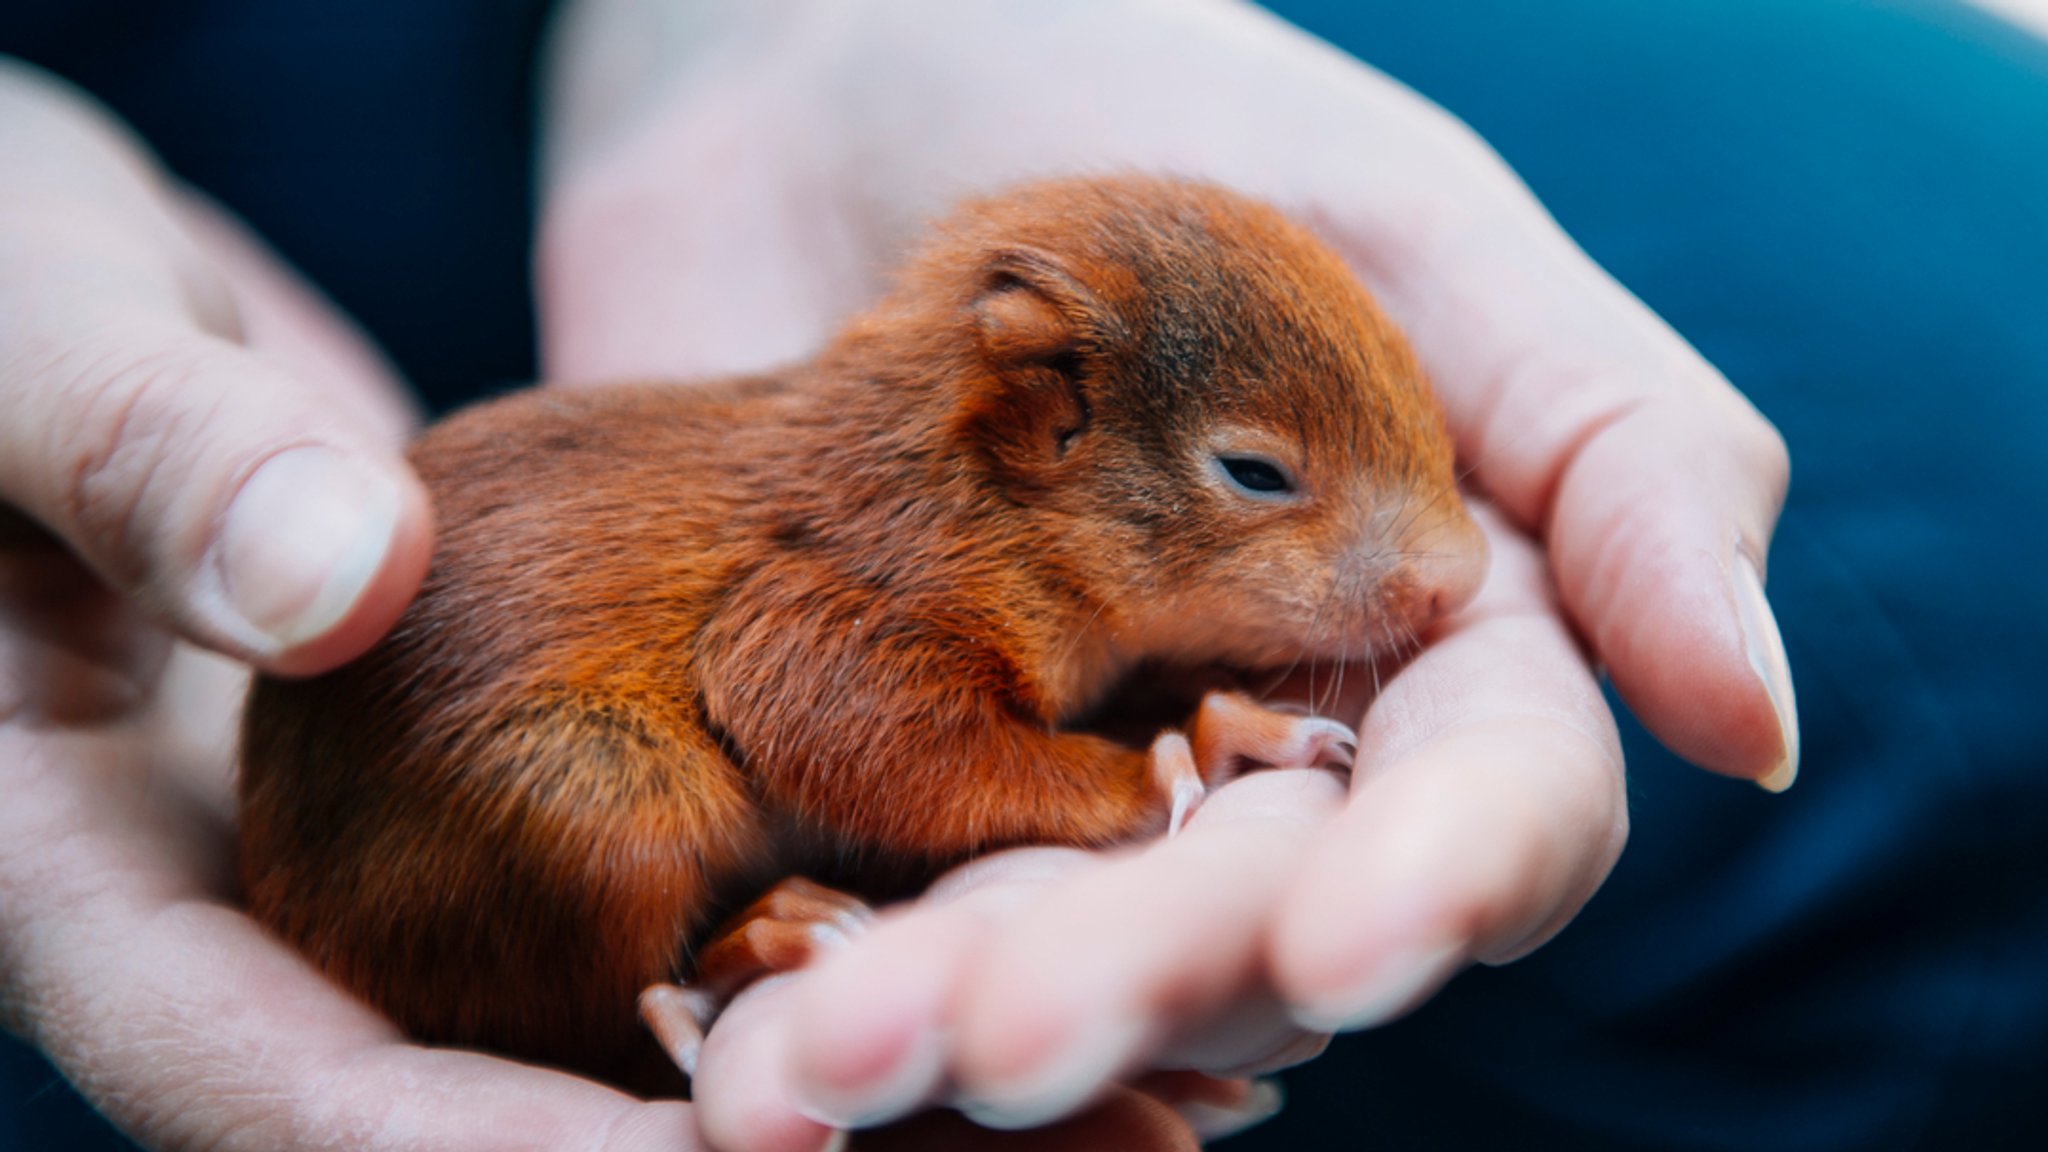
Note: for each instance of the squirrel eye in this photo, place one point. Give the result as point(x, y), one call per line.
point(1256, 477)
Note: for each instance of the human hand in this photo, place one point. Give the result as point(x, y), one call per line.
point(197, 428)
point(124, 955)
point(155, 357)
point(152, 361)
point(725, 185)
point(1028, 983)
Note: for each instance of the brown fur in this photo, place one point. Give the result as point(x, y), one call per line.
point(678, 642)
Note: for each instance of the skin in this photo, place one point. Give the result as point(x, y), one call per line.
point(158, 356)
point(1649, 482)
point(732, 660)
point(120, 938)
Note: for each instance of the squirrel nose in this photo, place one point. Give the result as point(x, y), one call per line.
point(1447, 559)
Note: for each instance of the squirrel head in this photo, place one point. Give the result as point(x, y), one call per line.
point(1202, 411)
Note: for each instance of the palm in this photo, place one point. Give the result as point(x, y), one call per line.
point(1488, 804)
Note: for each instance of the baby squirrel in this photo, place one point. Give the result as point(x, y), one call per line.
point(842, 621)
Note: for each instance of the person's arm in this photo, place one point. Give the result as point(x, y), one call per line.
point(726, 182)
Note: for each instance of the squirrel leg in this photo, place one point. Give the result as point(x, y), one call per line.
point(1231, 733)
point(780, 932)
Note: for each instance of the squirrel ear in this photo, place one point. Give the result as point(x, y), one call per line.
point(1031, 313)
point(1037, 326)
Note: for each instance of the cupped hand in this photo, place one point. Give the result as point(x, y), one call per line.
point(196, 443)
point(1485, 810)
point(253, 501)
point(125, 958)
point(191, 441)
point(725, 185)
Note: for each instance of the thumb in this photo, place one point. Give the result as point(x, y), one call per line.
point(228, 498)
point(238, 502)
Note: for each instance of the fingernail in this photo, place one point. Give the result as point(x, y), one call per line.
point(836, 1142)
point(1393, 986)
point(1302, 1048)
point(895, 1091)
point(1765, 647)
point(1211, 1121)
point(300, 544)
point(1064, 1082)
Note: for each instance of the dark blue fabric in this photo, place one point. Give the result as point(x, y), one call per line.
point(1843, 204)
point(40, 1113)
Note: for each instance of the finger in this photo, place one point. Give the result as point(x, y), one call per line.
point(1657, 486)
point(1082, 987)
point(742, 1098)
point(867, 1024)
point(1127, 1120)
point(256, 512)
point(874, 1043)
point(877, 1035)
point(225, 496)
point(269, 1056)
point(1252, 1035)
point(873, 1046)
point(1215, 1107)
point(1494, 811)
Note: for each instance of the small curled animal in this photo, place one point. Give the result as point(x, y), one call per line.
point(694, 659)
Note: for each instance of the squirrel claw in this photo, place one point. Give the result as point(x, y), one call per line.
point(1174, 773)
point(1231, 731)
point(780, 932)
point(1187, 795)
point(1341, 755)
point(1316, 742)
point(678, 1016)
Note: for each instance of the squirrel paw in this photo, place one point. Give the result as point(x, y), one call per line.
point(1174, 774)
point(1233, 732)
point(679, 1017)
point(780, 932)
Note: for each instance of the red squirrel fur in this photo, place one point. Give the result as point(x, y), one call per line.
point(679, 642)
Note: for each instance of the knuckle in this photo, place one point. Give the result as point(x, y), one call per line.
point(125, 421)
point(1764, 446)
